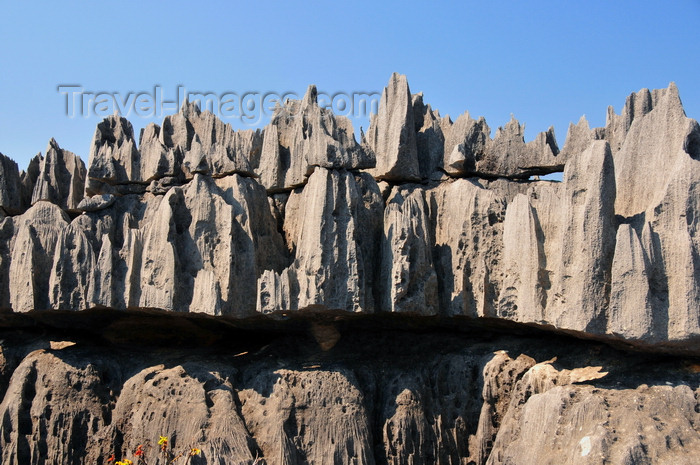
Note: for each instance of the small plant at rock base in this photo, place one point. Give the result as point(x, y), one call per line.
point(166, 455)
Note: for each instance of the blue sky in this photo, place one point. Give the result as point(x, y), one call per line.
point(545, 62)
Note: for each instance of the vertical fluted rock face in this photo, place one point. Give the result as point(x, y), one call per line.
point(113, 159)
point(6, 234)
point(408, 278)
point(37, 232)
point(301, 136)
point(430, 138)
point(203, 248)
point(28, 180)
point(202, 218)
point(392, 134)
point(210, 146)
point(468, 221)
point(10, 186)
point(282, 407)
point(189, 142)
point(61, 178)
point(522, 295)
point(329, 227)
point(630, 302)
point(672, 240)
point(72, 274)
point(657, 134)
point(581, 289)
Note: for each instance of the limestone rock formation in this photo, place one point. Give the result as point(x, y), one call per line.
point(468, 222)
point(201, 218)
point(114, 159)
point(631, 311)
point(652, 127)
point(10, 187)
point(408, 278)
point(465, 144)
point(430, 138)
point(330, 228)
point(61, 178)
point(580, 289)
point(302, 136)
point(37, 232)
point(379, 396)
point(522, 295)
point(189, 142)
point(274, 294)
point(391, 135)
point(469, 150)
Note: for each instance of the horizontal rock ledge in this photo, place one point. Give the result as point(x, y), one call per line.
point(159, 328)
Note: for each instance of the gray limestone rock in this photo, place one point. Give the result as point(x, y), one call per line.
point(189, 142)
point(430, 138)
point(201, 248)
point(209, 145)
point(673, 243)
point(101, 292)
point(61, 178)
point(465, 143)
point(558, 421)
point(184, 224)
point(578, 137)
point(302, 135)
point(28, 180)
point(191, 405)
point(50, 396)
point(323, 225)
point(72, 274)
point(658, 134)
point(523, 290)
point(114, 159)
point(204, 219)
point(378, 396)
point(468, 221)
point(10, 186)
point(469, 150)
point(630, 312)
point(96, 203)
point(37, 233)
point(509, 155)
point(391, 136)
point(408, 278)
point(283, 408)
point(580, 289)
point(6, 235)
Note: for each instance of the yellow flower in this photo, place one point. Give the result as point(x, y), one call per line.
point(195, 451)
point(124, 462)
point(163, 441)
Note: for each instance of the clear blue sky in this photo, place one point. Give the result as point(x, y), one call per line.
point(546, 62)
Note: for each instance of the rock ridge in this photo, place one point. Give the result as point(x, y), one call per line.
point(423, 216)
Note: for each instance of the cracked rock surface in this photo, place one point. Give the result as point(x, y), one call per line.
point(419, 296)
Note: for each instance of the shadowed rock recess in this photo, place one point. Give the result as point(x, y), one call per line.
point(421, 296)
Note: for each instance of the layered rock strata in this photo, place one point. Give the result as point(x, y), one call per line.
point(377, 397)
point(423, 216)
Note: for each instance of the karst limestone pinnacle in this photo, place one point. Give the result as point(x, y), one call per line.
point(423, 216)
